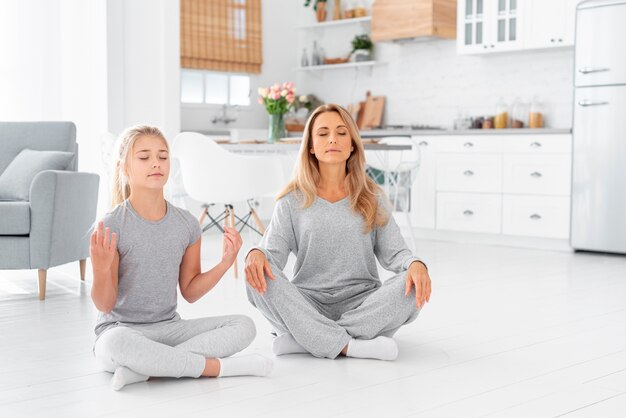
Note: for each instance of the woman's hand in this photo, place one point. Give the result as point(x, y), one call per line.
point(232, 245)
point(256, 268)
point(417, 276)
point(102, 248)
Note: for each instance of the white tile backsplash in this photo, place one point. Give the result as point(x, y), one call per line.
point(427, 82)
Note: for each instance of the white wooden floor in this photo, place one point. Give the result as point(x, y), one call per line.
point(508, 333)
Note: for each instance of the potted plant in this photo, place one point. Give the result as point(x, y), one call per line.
point(320, 8)
point(362, 47)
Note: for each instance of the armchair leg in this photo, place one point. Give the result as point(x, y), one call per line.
point(82, 264)
point(42, 284)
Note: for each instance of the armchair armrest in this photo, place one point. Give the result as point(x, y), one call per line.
point(63, 209)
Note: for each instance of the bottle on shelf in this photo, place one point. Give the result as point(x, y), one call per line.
point(315, 55)
point(304, 61)
point(519, 113)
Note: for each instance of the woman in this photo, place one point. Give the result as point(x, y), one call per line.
point(337, 222)
point(141, 252)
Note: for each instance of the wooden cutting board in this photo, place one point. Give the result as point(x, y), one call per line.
point(372, 112)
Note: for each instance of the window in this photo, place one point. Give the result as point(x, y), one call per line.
point(206, 87)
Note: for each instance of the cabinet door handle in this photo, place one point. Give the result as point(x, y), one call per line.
point(560, 40)
point(423, 144)
point(551, 39)
point(468, 173)
point(535, 174)
point(589, 70)
point(535, 217)
point(587, 103)
point(536, 144)
point(468, 145)
point(468, 212)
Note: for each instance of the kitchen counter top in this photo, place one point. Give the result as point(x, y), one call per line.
point(376, 133)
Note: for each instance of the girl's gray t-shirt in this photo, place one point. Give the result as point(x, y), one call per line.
point(150, 256)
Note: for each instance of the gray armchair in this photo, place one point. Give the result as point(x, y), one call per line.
point(50, 224)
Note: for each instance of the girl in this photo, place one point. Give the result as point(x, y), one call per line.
point(333, 217)
point(140, 252)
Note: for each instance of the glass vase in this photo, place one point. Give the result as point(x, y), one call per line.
point(276, 127)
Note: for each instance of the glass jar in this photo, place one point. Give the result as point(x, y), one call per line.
point(519, 114)
point(535, 116)
point(502, 115)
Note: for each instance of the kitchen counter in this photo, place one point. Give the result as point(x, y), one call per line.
point(377, 133)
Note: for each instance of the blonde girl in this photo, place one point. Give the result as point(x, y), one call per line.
point(141, 252)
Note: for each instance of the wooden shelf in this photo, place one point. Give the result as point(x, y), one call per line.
point(342, 22)
point(338, 66)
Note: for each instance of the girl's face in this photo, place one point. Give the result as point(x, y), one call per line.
point(331, 140)
point(148, 163)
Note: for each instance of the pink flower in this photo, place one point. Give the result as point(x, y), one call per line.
point(288, 85)
point(290, 98)
point(260, 100)
point(276, 95)
point(284, 92)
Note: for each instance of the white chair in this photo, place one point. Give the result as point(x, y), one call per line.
point(211, 175)
point(395, 172)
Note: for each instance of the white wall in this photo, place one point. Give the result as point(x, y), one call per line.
point(144, 64)
point(427, 82)
point(279, 52)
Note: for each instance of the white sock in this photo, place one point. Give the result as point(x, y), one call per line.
point(124, 376)
point(379, 348)
point(286, 344)
point(250, 365)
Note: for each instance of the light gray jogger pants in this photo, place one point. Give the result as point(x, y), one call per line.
point(324, 322)
point(174, 348)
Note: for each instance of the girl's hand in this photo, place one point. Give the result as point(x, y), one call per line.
point(102, 248)
point(256, 268)
point(232, 245)
point(417, 276)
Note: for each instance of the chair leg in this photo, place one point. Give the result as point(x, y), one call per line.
point(82, 264)
point(42, 284)
point(257, 220)
point(231, 217)
point(203, 215)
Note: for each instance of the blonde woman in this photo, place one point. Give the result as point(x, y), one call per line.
point(141, 252)
point(337, 223)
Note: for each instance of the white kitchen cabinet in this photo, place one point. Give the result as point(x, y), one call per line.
point(487, 26)
point(423, 188)
point(470, 212)
point(515, 184)
point(550, 23)
point(510, 25)
point(548, 174)
point(532, 216)
point(469, 173)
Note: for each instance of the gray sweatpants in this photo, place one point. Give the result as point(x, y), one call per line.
point(174, 348)
point(324, 322)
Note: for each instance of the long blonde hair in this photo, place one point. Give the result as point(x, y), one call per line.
point(362, 190)
point(124, 144)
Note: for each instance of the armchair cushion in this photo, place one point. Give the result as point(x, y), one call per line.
point(16, 179)
point(14, 218)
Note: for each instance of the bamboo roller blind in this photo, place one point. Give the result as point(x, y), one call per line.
point(221, 35)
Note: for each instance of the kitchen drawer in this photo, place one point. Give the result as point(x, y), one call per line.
point(538, 144)
point(469, 144)
point(548, 174)
point(469, 173)
point(536, 216)
point(472, 212)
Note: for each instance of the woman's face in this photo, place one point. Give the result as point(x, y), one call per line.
point(149, 163)
point(331, 140)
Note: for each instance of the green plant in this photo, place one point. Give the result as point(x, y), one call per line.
point(308, 2)
point(362, 42)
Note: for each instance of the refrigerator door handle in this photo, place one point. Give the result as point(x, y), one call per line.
point(586, 103)
point(589, 70)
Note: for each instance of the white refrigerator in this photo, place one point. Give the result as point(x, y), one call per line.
point(599, 133)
